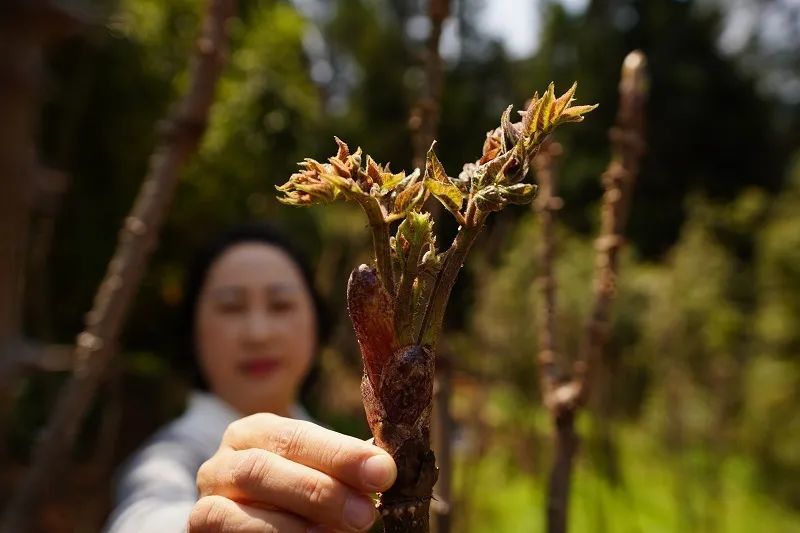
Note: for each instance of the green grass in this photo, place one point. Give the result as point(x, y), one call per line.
point(660, 492)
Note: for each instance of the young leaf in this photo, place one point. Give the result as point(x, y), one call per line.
point(413, 235)
point(344, 151)
point(433, 167)
point(511, 134)
point(391, 181)
point(408, 199)
point(439, 185)
point(564, 100)
point(546, 110)
point(575, 114)
point(520, 193)
point(528, 122)
point(447, 193)
point(490, 199)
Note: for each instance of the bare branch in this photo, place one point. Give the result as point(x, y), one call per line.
point(424, 119)
point(628, 146)
point(546, 205)
point(137, 239)
point(19, 356)
point(564, 392)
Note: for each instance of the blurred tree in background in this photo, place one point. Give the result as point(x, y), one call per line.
point(695, 425)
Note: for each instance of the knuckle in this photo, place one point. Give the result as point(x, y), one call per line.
point(208, 515)
point(265, 421)
point(205, 476)
point(244, 426)
point(250, 469)
point(338, 453)
point(317, 492)
point(288, 441)
point(229, 435)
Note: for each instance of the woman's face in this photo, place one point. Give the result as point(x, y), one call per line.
point(255, 328)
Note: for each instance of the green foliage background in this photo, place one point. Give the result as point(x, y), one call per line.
point(697, 425)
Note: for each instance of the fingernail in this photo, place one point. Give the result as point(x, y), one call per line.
point(378, 472)
point(359, 513)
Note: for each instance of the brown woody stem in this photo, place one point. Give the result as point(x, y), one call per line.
point(398, 411)
point(424, 119)
point(546, 205)
point(434, 313)
point(564, 396)
point(566, 444)
point(379, 229)
point(406, 506)
point(628, 145)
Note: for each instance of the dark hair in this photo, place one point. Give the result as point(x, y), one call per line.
point(257, 232)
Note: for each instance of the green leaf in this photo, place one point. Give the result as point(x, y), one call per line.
point(520, 193)
point(564, 101)
point(490, 199)
point(446, 192)
point(575, 114)
point(528, 122)
point(433, 167)
point(390, 181)
point(417, 228)
point(437, 182)
point(545, 114)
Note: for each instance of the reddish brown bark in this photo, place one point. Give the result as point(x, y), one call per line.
point(397, 389)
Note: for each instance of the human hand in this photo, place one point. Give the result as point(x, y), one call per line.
point(283, 475)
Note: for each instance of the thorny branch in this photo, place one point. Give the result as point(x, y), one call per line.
point(424, 119)
point(137, 239)
point(546, 205)
point(628, 146)
point(565, 392)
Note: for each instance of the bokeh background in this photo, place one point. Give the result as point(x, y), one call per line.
point(697, 422)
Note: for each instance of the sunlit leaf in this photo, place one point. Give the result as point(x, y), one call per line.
point(575, 114)
point(564, 100)
point(520, 193)
point(391, 181)
point(446, 192)
point(408, 198)
point(433, 167)
point(546, 110)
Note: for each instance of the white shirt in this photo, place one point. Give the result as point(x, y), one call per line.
point(157, 487)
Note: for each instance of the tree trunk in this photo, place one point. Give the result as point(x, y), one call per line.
point(566, 444)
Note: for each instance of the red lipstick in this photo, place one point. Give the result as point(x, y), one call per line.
point(259, 367)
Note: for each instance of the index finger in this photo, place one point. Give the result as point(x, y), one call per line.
point(363, 466)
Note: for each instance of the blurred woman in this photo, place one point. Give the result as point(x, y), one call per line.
point(254, 322)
